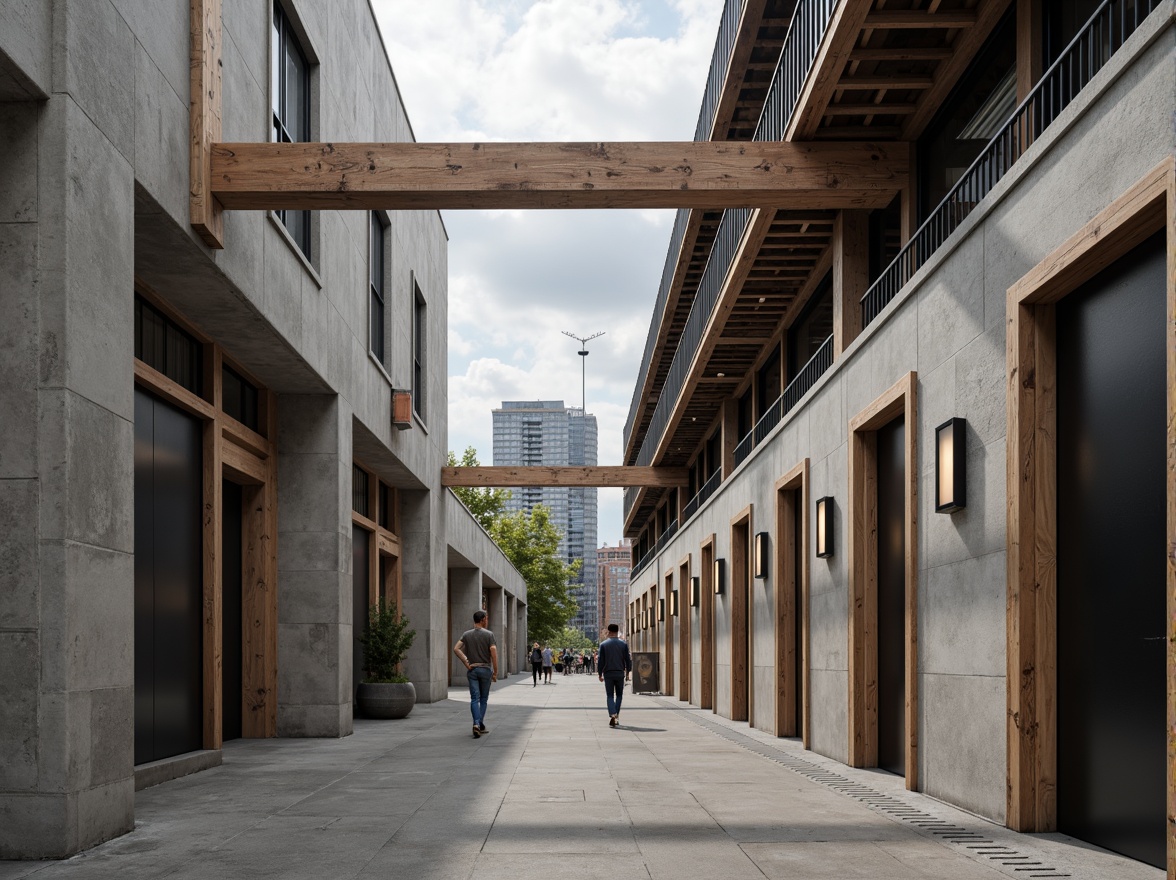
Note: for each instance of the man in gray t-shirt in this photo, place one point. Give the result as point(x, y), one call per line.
point(478, 651)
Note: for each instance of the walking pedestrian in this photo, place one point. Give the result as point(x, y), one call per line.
point(614, 665)
point(548, 660)
point(536, 664)
point(478, 651)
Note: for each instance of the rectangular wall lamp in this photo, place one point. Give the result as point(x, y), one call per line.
point(761, 554)
point(951, 485)
point(661, 610)
point(673, 603)
point(695, 583)
point(825, 527)
point(718, 576)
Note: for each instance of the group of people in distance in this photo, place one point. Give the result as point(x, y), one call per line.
point(478, 651)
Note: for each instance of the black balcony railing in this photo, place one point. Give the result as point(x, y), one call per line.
point(821, 361)
point(707, 490)
point(720, 61)
point(801, 44)
point(1106, 31)
point(658, 546)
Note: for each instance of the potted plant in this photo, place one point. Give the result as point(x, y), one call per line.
point(385, 692)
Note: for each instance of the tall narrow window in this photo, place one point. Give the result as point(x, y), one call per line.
point(290, 94)
point(418, 353)
point(376, 288)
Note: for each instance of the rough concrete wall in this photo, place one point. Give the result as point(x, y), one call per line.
point(465, 597)
point(949, 327)
point(26, 72)
point(467, 538)
point(66, 454)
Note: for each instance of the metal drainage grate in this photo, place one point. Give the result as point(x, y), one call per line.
point(977, 844)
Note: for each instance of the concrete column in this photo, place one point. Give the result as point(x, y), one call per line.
point(523, 649)
point(424, 589)
point(465, 597)
point(496, 608)
point(512, 660)
point(314, 566)
point(66, 479)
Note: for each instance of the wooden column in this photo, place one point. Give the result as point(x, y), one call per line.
point(851, 275)
point(1029, 46)
point(731, 437)
point(204, 118)
point(213, 617)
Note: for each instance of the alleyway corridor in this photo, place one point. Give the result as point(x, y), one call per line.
point(553, 793)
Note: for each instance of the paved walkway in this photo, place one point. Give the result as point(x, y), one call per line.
point(554, 793)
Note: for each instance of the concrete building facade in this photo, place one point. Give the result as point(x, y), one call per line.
point(202, 487)
point(545, 432)
point(1013, 302)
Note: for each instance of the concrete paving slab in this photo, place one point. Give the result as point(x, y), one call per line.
point(553, 792)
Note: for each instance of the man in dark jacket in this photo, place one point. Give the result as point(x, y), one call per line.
point(613, 665)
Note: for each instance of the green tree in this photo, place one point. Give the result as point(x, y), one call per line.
point(486, 505)
point(531, 543)
point(574, 639)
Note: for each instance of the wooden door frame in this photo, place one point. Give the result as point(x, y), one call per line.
point(741, 618)
point(792, 580)
point(234, 451)
point(1145, 208)
point(706, 628)
point(898, 400)
point(685, 610)
point(667, 632)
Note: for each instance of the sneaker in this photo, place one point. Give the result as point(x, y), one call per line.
point(612, 720)
point(477, 733)
point(482, 729)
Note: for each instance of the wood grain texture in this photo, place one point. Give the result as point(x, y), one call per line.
point(1029, 46)
point(851, 275)
point(685, 612)
point(706, 697)
point(670, 684)
point(1032, 733)
point(213, 503)
point(604, 475)
point(841, 36)
point(791, 579)
point(422, 176)
point(204, 118)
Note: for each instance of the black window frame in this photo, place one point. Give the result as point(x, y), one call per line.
point(419, 352)
point(170, 349)
point(377, 295)
point(297, 223)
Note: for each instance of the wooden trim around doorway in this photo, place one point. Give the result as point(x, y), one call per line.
point(685, 611)
point(706, 654)
point(898, 400)
point(1144, 209)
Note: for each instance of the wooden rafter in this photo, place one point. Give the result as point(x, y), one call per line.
point(413, 176)
point(606, 475)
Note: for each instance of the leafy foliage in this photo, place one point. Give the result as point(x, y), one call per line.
point(486, 505)
point(386, 640)
point(574, 639)
point(531, 543)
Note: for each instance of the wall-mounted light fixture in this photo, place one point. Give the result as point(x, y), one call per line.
point(761, 554)
point(720, 565)
point(695, 589)
point(673, 603)
point(825, 527)
point(951, 484)
point(661, 610)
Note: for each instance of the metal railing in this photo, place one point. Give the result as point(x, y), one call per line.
point(658, 546)
point(801, 45)
point(717, 75)
point(821, 361)
point(700, 498)
point(1106, 31)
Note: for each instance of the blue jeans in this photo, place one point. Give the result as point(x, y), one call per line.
point(479, 679)
point(614, 689)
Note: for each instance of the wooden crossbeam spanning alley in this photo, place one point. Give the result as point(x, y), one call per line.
point(610, 476)
point(413, 176)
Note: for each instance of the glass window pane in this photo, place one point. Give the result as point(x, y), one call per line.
point(276, 66)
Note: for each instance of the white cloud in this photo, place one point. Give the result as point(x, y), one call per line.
point(535, 70)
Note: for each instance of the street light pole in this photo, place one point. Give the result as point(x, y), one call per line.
point(583, 352)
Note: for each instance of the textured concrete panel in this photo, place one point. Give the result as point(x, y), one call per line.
point(830, 713)
point(19, 586)
point(951, 305)
point(112, 743)
point(963, 741)
point(38, 826)
point(18, 345)
point(18, 174)
point(19, 658)
point(962, 617)
point(161, 129)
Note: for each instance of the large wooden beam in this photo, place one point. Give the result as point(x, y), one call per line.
point(411, 176)
point(610, 476)
point(204, 117)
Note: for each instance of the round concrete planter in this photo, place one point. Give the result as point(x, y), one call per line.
point(386, 699)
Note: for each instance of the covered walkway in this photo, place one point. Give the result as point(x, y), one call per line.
point(552, 792)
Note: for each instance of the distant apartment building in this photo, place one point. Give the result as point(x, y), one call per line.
point(545, 432)
point(612, 579)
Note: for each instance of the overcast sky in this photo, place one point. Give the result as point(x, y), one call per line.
point(550, 70)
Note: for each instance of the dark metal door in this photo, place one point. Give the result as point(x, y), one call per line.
point(232, 559)
point(359, 606)
point(168, 581)
point(892, 597)
point(1111, 474)
point(798, 620)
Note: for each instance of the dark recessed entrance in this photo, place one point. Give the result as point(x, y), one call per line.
point(168, 581)
point(232, 566)
point(1111, 474)
point(359, 608)
point(892, 597)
